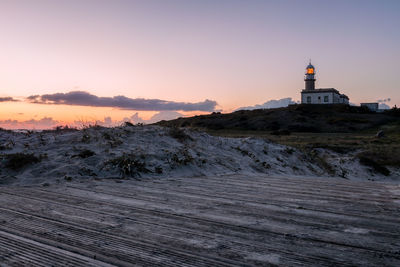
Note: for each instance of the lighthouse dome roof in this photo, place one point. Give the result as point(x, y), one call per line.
point(310, 66)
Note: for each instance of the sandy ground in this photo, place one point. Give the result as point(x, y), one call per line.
point(155, 152)
point(233, 220)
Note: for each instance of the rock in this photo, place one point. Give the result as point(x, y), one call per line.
point(380, 134)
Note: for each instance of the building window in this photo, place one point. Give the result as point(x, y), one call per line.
point(326, 99)
point(309, 99)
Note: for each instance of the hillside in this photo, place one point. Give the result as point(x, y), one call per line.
point(294, 118)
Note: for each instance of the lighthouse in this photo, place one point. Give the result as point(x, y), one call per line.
point(310, 95)
point(310, 77)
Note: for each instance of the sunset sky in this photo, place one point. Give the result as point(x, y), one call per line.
point(136, 59)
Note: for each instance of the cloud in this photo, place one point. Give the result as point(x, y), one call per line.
point(383, 106)
point(284, 102)
point(165, 115)
point(44, 123)
point(162, 115)
point(8, 99)
point(382, 102)
point(135, 119)
point(82, 98)
point(108, 122)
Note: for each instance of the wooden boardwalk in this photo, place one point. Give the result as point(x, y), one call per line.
point(213, 221)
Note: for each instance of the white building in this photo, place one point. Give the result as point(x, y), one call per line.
point(310, 95)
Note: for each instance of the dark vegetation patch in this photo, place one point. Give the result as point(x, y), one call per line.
point(294, 118)
point(5, 130)
point(84, 154)
point(129, 165)
point(113, 139)
point(7, 145)
point(320, 161)
point(107, 136)
point(182, 157)
point(61, 129)
point(393, 111)
point(85, 138)
point(371, 162)
point(19, 160)
point(289, 150)
point(93, 126)
point(179, 134)
point(379, 157)
point(158, 170)
point(281, 132)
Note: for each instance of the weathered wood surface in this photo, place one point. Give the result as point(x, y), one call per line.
point(214, 221)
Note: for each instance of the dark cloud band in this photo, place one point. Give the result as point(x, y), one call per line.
point(82, 98)
point(7, 99)
point(284, 102)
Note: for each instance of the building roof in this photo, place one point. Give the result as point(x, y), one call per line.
point(344, 96)
point(321, 90)
point(310, 65)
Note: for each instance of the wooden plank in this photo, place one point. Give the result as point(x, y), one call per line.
point(203, 221)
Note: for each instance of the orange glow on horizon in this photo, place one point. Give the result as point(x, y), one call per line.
point(28, 114)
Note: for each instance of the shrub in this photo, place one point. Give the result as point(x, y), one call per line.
point(85, 138)
point(179, 134)
point(158, 170)
point(19, 160)
point(266, 165)
point(289, 150)
point(183, 159)
point(7, 146)
point(128, 165)
point(108, 136)
point(61, 129)
point(85, 154)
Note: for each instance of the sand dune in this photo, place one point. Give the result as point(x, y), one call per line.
point(152, 151)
